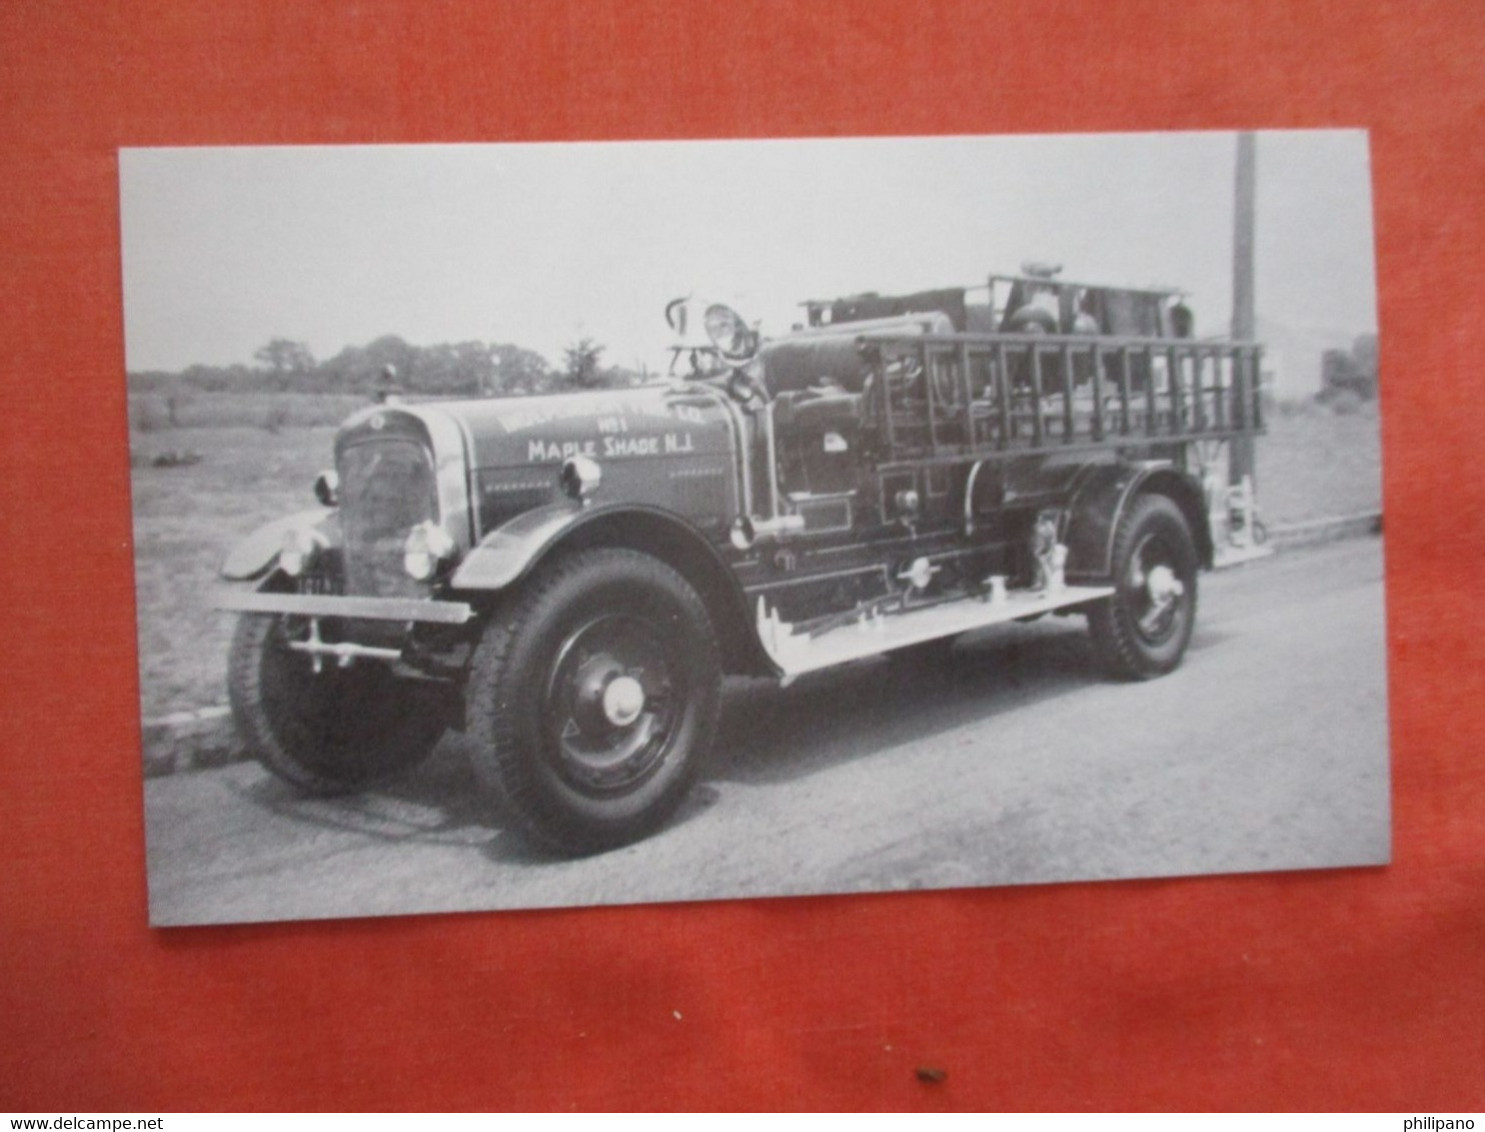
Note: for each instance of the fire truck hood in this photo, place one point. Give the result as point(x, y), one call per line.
point(659, 421)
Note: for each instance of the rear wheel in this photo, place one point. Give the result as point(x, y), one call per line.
point(1142, 630)
point(330, 731)
point(593, 699)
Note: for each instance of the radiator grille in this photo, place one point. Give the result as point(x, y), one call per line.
point(387, 488)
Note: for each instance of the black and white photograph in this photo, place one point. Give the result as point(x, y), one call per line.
point(563, 524)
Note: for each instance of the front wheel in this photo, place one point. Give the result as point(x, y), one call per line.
point(593, 699)
point(1142, 630)
point(329, 731)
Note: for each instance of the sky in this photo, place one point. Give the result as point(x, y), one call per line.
point(543, 244)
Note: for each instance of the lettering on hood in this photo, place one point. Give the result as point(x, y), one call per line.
point(610, 447)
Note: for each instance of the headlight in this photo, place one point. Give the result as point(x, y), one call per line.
point(428, 546)
point(299, 550)
point(327, 487)
point(580, 477)
point(729, 333)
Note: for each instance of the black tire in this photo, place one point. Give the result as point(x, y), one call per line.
point(593, 699)
point(331, 731)
point(1143, 630)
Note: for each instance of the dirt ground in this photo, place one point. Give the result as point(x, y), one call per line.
point(1312, 463)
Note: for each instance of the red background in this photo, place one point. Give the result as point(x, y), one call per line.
point(1347, 989)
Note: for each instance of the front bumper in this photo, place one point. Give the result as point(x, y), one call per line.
point(360, 608)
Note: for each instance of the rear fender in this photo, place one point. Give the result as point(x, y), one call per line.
point(509, 554)
point(256, 554)
point(1100, 499)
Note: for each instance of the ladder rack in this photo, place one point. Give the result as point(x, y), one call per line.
point(948, 397)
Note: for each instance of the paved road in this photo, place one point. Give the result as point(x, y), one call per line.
point(1014, 764)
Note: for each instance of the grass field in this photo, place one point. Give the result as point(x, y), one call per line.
point(1312, 463)
point(150, 412)
point(185, 520)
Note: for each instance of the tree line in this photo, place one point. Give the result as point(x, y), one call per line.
point(1350, 373)
point(469, 369)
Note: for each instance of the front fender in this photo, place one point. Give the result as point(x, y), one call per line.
point(256, 554)
point(510, 552)
point(506, 553)
point(1102, 496)
point(504, 556)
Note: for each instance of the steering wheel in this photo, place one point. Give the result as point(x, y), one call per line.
point(744, 389)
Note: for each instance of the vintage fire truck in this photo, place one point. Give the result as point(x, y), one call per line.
point(569, 577)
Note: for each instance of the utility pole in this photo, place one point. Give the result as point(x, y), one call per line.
point(1244, 319)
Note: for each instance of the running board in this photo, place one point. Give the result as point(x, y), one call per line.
point(797, 652)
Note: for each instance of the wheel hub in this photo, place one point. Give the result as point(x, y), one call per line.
point(623, 700)
point(1163, 586)
point(611, 703)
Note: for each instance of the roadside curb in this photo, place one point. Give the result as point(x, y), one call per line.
point(206, 737)
point(189, 740)
point(1329, 529)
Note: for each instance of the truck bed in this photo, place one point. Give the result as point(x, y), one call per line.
point(961, 395)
